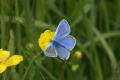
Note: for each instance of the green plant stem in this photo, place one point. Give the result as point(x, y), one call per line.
point(95, 59)
point(4, 76)
point(107, 48)
point(45, 70)
point(118, 13)
point(105, 36)
point(62, 73)
point(29, 66)
point(18, 29)
point(3, 36)
point(40, 66)
point(42, 76)
point(106, 15)
point(28, 20)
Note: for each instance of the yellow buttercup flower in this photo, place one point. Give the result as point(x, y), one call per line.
point(77, 54)
point(14, 60)
point(45, 39)
point(6, 60)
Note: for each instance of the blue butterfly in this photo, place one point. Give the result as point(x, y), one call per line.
point(62, 43)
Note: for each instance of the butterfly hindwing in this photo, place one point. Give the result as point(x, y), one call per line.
point(68, 42)
point(62, 52)
point(62, 30)
point(50, 51)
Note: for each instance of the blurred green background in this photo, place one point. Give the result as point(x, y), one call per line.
point(94, 23)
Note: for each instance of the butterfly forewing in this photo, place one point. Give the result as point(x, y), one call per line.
point(62, 30)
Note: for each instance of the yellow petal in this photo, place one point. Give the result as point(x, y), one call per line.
point(3, 67)
point(14, 60)
point(45, 39)
point(4, 55)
